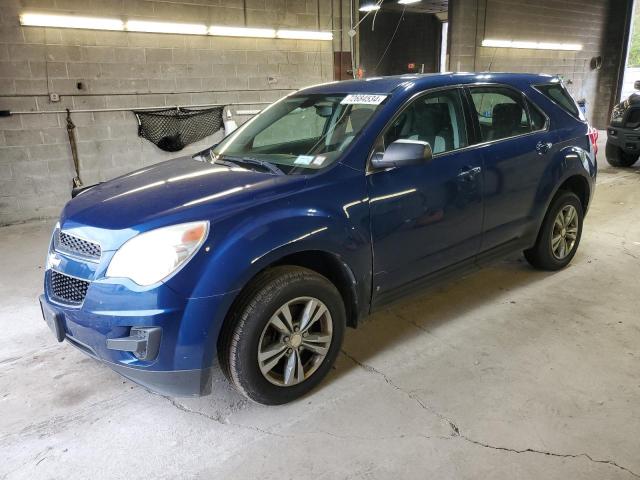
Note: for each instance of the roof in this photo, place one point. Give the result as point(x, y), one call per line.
point(387, 85)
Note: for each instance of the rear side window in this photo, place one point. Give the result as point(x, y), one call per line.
point(559, 95)
point(538, 120)
point(501, 113)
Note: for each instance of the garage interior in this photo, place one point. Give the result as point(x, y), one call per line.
point(505, 373)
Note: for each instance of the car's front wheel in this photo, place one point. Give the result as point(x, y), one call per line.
point(559, 235)
point(618, 158)
point(283, 335)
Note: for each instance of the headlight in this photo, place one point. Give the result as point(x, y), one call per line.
point(617, 114)
point(153, 256)
point(52, 246)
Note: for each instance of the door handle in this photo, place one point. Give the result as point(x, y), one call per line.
point(543, 147)
point(469, 174)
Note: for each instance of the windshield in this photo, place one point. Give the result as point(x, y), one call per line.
point(300, 133)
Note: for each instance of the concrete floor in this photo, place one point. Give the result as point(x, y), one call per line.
point(508, 373)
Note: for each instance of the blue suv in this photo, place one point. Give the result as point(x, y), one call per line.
point(331, 203)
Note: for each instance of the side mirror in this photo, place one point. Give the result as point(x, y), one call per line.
point(202, 156)
point(636, 85)
point(403, 152)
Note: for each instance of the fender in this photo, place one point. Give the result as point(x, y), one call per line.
point(569, 162)
point(328, 217)
point(253, 245)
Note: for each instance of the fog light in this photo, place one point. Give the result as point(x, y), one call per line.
point(143, 342)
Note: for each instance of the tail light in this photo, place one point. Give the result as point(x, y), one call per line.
point(593, 138)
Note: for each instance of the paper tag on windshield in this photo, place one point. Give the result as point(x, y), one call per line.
point(303, 159)
point(363, 99)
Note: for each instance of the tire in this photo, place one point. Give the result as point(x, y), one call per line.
point(259, 324)
point(546, 255)
point(618, 158)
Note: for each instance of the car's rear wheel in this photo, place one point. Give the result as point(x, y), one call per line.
point(560, 234)
point(618, 158)
point(283, 335)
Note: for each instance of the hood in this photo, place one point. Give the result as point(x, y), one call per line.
point(175, 191)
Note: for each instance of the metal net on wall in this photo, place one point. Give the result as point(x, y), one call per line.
point(172, 129)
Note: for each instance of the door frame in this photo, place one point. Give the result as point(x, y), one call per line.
point(471, 123)
point(525, 100)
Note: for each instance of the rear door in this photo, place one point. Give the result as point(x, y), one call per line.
point(516, 147)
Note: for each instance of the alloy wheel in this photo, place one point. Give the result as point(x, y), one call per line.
point(565, 232)
point(295, 341)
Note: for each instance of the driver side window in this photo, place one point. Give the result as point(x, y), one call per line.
point(436, 118)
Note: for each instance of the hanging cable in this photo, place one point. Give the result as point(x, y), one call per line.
point(391, 40)
point(74, 150)
point(352, 41)
point(373, 22)
point(378, 4)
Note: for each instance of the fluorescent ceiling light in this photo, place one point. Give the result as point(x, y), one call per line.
point(102, 23)
point(531, 45)
point(369, 7)
point(408, 2)
point(304, 35)
point(166, 27)
point(70, 21)
point(242, 32)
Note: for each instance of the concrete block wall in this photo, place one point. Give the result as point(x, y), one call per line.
point(598, 25)
point(125, 70)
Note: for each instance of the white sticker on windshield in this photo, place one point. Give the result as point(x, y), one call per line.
point(304, 159)
point(363, 99)
point(319, 160)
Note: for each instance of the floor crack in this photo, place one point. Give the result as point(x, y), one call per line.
point(220, 419)
point(456, 432)
point(551, 454)
point(454, 428)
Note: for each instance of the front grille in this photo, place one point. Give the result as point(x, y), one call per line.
point(73, 245)
point(67, 289)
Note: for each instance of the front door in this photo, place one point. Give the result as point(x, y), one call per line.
point(425, 217)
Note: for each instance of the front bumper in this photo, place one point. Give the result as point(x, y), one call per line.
point(627, 139)
point(171, 382)
point(186, 343)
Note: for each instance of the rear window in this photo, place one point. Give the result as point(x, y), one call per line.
point(559, 95)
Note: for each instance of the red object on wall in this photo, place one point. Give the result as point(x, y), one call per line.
point(593, 136)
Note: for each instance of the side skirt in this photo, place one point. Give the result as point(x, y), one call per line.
point(444, 275)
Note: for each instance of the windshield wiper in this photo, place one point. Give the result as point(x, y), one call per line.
point(252, 161)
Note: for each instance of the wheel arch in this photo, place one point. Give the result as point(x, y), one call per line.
point(578, 185)
point(574, 182)
point(335, 270)
point(327, 264)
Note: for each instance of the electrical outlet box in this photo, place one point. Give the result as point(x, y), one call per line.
point(54, 97)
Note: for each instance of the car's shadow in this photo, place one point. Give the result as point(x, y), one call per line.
point(423, 313)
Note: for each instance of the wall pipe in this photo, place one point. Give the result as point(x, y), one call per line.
point(241, 90)
point(8, 113)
